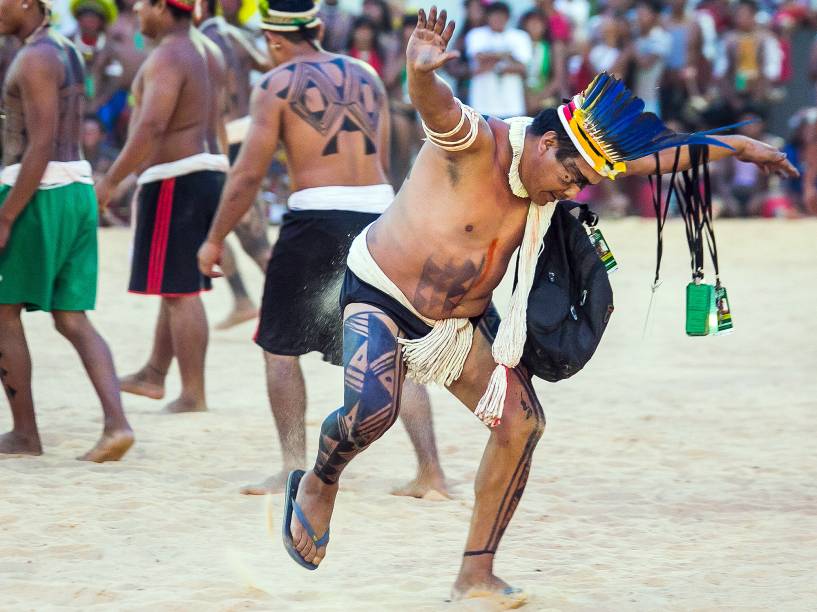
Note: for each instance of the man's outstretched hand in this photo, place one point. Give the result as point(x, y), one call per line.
point(769, 159)
point(426, 47)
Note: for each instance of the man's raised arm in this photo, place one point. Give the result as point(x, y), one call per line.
point(244, 178)
point(448, 125)
point(766, 157)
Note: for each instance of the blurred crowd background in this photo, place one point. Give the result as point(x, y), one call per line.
point(697, 64)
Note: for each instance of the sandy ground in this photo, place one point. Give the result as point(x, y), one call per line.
point(676, 473)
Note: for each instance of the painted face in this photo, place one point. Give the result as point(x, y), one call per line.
point(548, 178)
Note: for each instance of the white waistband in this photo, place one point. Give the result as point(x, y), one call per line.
point(360, 198)
point(237, 130)
point(186, 165)
point(57, 174)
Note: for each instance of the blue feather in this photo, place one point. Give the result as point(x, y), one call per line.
point(617, 117)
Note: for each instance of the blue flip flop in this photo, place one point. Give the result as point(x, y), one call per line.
point(293, 481)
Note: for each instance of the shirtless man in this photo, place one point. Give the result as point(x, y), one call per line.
point(177, 94)
point(241, 57)
point(337, 153)
point(48, 219)
point(479, 189)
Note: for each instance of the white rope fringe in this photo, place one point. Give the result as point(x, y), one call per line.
point(440, 355)
point(513, 330)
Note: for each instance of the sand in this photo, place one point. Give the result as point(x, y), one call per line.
point(675, 474)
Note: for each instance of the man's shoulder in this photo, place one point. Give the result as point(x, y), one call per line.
point(44, 54)
point(363, 67)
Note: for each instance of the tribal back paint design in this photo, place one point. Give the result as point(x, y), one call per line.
point(354, 105)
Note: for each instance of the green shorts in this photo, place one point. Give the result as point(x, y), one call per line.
point(50, 260)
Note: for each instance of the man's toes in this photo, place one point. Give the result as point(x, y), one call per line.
point(308, 552)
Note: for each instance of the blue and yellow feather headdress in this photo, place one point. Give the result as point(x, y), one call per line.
point(609, 127)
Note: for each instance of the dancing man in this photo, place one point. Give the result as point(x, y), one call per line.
point(420, 280)
point(178, 94)
point(330, 113)
point(48, 225)
point(241, 58)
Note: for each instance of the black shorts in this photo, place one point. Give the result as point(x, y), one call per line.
point(356, 291)
point(232, 152)
point(172, 220)
point(300, 310)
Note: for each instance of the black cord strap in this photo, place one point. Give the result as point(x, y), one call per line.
point(661, 207)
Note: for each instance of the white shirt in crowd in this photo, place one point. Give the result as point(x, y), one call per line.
point(657, 43)
point(500, 95)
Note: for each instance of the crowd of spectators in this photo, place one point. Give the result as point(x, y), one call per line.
point(696, 64)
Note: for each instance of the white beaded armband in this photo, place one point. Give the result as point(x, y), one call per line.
point(442, 139)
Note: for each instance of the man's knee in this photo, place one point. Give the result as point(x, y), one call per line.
point(181, 302)
point(71, 324)
point(10, 313)
point(523, 420)
point(281, 364)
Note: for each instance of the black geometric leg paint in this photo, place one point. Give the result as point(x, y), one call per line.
point(372, 383)
point(252, 232)
point(516, 486)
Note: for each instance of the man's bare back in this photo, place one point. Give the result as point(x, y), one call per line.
point(57, 53)
point(330, 103)
point(196, 93)
point(240, 59)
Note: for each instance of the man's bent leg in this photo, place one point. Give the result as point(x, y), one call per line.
point(243, 308)
point(287, 398)
point(188, 331)
point(117, 435)
point(503, 471)
point(415, 412)
point(373, 377)
point(252, 234)
point(15, 376)
point(150, 380)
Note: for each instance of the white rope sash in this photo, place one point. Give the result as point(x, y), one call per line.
point(513, 330)
point(440, 355)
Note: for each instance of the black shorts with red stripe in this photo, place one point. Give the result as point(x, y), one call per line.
point(172, 220)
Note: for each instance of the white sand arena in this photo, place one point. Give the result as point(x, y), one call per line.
point(675, 473)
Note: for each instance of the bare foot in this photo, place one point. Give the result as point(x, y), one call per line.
point(491, 589)
point(185, 405)
point(111, 447)
point(432, 488)
point(148, 382)
point(238, 316)
point(13, 443)
point(274, 484)
point(317, 500)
